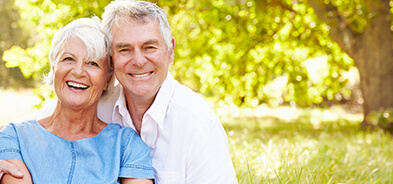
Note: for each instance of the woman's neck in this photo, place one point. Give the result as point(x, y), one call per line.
point(72, 124)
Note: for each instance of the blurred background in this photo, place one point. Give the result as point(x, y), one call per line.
point(303, 87)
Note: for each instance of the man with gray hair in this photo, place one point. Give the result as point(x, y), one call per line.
point(187, 141)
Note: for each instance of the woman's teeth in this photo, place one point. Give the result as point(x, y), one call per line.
point(77, 85)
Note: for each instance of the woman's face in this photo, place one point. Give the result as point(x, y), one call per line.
point(79, 83)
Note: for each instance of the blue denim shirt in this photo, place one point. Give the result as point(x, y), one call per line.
point(115, 152)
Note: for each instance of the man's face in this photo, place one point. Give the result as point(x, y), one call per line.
point(141, 58)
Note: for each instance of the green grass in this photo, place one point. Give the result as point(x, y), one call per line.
point(314, 146)
point(283, 145)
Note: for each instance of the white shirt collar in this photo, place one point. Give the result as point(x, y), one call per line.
point(158, 109)
point(120, 112)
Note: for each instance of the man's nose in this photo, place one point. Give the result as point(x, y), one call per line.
point(139, 58)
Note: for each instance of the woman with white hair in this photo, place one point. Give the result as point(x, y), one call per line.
point(72, 145)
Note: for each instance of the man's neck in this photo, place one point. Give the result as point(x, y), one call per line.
point(137, 107)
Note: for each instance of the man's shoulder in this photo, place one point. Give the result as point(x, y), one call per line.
point(110, 98)
point(191, 102)
point(107, 103)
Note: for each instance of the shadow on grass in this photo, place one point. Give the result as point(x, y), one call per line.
point(313, 147)
point(306, 125)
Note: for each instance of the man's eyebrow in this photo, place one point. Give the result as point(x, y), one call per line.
point(118, 45)
point(150, 41)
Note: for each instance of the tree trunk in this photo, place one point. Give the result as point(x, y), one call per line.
point(372, 51)
point(373, 56)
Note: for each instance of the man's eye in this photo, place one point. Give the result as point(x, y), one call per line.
point(124, 50)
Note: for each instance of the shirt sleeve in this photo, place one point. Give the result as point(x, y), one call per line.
point(209, 160)
point(135, 161)
point(9, 143)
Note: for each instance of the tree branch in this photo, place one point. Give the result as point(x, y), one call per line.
point(340, 30)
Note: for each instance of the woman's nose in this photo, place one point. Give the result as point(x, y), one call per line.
point(79, 70)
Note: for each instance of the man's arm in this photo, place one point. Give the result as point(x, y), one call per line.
point(13, 164)
point(209, 159)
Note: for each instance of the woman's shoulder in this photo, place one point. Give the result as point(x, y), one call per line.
point(114, 129)
point(15, 134)
point(125, 135)
point(118, 128)
point(27, 126)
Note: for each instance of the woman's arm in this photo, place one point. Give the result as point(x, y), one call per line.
point(136, 181)
point(7, 178)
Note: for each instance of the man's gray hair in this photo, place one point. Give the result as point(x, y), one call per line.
point(126, 10)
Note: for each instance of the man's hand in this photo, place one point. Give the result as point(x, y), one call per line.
point(8, 168)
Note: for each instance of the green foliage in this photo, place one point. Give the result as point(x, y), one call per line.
point(237, 50)
point(357, 13)
point(245, 52)
point(42, 18)
point(11, 34)
point(34, 60)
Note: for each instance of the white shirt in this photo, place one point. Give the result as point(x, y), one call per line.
point(187, 141)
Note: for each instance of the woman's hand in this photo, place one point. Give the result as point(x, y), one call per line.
point(136, 181)
point(11, 174)
point(9, 168)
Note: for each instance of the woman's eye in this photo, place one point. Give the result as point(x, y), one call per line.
point(68, 59)
point(92, 63)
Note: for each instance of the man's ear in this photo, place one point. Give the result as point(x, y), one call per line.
point(172, 51)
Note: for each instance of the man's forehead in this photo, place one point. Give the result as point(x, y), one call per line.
point(145, 31)
point(134, 21)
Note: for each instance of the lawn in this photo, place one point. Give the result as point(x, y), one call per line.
point(283, 144)
point(314, 146)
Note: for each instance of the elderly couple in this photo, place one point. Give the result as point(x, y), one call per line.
point(169, 133)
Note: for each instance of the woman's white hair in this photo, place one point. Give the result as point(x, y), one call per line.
point(126, 10)
point(87, 30)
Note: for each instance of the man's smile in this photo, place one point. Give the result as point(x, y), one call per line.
point(141, 75)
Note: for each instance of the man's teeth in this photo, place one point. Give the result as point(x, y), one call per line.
point(141, 75)
point(77, 85)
